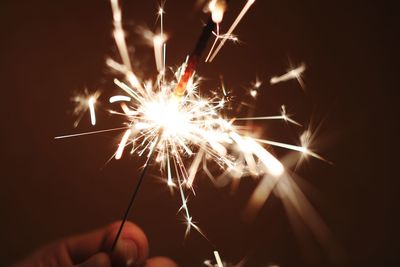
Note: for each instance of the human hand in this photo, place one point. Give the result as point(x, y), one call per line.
point(91, 250)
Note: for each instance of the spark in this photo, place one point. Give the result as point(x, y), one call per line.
point(119, 98)
point(119, 34)
point(218, 259)
point(303, 149)
point(85, 102)
point(281, 117)
point(218, 37)
point(169, 174)
point(246, 8)
point(291, 74)
point(220, 263)
point(119, 37)
point(89, 133)
point(122, 144)
point(160, 46)
point(158, 51)
point(91, 103)
point(255, 86)
point(253, 93)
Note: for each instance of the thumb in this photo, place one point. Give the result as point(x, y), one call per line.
point(97, 260)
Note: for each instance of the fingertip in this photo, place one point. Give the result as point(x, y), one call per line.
point(160, 262)
point(132, 246)
point(125, 253)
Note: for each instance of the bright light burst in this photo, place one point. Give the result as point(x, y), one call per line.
point(189, 131)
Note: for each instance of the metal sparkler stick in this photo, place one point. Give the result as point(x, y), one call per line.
point(135, 192)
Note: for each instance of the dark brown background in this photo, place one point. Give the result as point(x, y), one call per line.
point(50, 189)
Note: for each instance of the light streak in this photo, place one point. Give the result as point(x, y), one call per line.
point(158, 51)
point(119, 37)
point(89, 133)
point(287, 146)
point(253, 93)
point(85, 102)
point(218, 37)
point(160, 47)
point(122, 144)
point(119, 98)
point(218, 259)
point(281, 117)
point(119, 34)
point(91, 103)
point(273, 165)
point(246, 8)
point(169, 174)
point(291, 74)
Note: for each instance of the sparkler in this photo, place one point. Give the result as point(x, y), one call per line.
point(167, 121)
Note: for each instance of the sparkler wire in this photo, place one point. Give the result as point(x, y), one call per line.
point(135, 192)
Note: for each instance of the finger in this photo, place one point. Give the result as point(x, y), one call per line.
point(160, 262)
point(132, 247)
point(98, 260)
point(125, 253)
point(82, 247)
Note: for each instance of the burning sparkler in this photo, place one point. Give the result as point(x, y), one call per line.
point(168, 121)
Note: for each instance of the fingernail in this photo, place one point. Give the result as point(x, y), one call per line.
point(126, 252)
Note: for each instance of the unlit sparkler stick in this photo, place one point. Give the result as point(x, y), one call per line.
point(135, 192)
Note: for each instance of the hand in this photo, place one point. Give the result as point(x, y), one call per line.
point(90, 250)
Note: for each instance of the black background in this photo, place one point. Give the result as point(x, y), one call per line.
point(50, 189)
